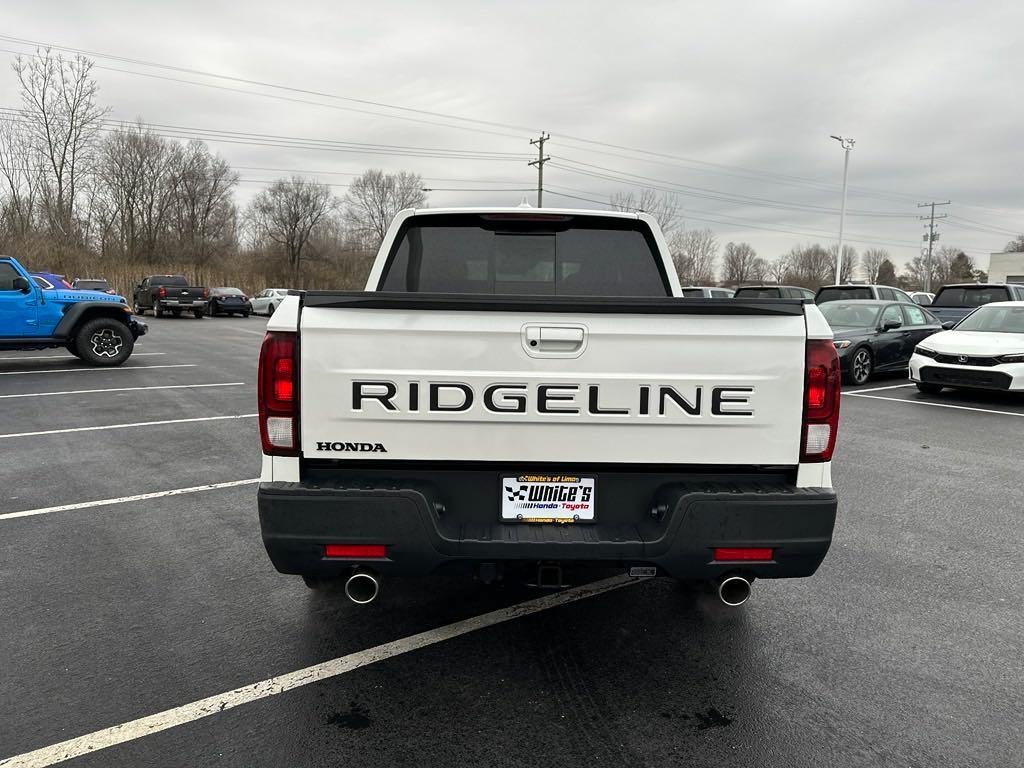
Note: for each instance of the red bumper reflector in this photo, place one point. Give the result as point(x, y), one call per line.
point(743, 553)
point(363, 551)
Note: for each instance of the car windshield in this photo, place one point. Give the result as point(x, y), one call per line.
point(994, 320)
point(758, 293)
point(839, 294)
point(970, 296)
point(850, 314)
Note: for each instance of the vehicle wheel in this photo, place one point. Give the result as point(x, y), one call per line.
point(137, 310)
point(157, 311)
point(72, 347)
point(270, 309)
point(928, 389)
point(861, 366)
point(245, 314)
point(104, 341)
point(197, 314)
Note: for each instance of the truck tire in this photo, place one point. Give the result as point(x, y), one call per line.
point(103, 341)
point(197, 314)
point(157, 310)
point(72, 347)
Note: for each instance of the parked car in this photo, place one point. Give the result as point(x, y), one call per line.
point(773, 292)
point(170, 293)
point(49, 281)
point(705, 292)
point(95, 327)
point(268, 301)
point(923, 298)
point(857, 291)
point(229, 301)
point(984, 351)
point(957, 300)
point(581, 414)
point(875, 336)
point(93, 284)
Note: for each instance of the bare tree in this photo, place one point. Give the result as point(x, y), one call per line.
point(140, 171)
point(1016, 245)
point(871, 260)
point(20, 174)
point(778, 269)
point(287, 214)
point(63, 118)
point(204, 215)
point(738, 263)
point(848, 266)
point(810, 266)
point(374, 198)
point(664, 207)
point(694, 252)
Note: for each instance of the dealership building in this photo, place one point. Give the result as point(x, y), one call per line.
point(1006, 267)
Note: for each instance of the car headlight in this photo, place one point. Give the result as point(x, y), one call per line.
point(1016, 357)
point(925, 351)
point(842, 343)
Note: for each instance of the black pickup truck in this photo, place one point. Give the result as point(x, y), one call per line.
point(170, 293)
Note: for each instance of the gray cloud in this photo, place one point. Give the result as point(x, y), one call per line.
point(929, 90)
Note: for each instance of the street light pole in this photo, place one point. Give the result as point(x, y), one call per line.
point(847, 145)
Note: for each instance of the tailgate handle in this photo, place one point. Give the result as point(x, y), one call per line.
point(554, 340)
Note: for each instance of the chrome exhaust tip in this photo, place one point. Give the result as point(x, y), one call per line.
point(362, 587)
point(734, 590)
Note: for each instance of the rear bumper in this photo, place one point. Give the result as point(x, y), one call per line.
point(297, 520)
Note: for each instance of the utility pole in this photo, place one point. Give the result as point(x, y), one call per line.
point(931, 237)
point(847, 145)
point(539, 162)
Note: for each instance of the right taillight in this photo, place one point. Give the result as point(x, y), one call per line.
point(278, 394)
point(821, 401)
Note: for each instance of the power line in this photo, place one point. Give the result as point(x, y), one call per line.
point(539, 162)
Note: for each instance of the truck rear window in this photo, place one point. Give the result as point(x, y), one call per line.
point(970, 296)
point(843, 294)
point(169, 280)
point(514, 254)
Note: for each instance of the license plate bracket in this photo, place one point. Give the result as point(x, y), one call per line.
point(548, 498)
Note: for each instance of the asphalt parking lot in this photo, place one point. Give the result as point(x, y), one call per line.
point(906, 648)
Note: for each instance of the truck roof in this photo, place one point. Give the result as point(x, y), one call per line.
point(525, 211)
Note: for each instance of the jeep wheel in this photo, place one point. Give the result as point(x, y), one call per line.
point(104, 341)
point(72, 347)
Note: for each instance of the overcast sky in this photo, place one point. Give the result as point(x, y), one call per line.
point(742, 95)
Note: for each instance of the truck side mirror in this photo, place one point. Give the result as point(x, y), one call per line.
point(21, 284)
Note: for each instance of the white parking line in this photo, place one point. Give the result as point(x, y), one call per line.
point(117, 368)
point(196, 710)
point(126, 426)
point(934, 405)
point(68, 357)
point(124, 389)
point(126, 500)
point(877, 389)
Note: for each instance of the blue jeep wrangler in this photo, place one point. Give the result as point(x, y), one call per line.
point(95, 327)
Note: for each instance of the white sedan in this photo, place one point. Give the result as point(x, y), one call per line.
point(984, 351)
point(265, 302)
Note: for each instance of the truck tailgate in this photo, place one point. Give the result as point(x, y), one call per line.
point(518, 385)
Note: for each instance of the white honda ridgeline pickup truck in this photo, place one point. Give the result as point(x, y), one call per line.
point(519, 389)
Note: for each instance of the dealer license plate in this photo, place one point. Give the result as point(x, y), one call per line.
point(547, 498)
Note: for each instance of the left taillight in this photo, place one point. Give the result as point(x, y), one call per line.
point(821, 401)
point(278, 394)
